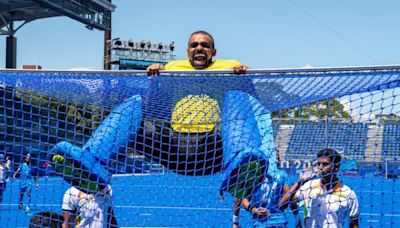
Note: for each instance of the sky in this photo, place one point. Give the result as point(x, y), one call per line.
point(263, 34)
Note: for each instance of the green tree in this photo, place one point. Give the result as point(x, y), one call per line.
point(389, 119)
point(71, 116)
point(331, 109)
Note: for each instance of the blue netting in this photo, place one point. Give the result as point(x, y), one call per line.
point(105, 123)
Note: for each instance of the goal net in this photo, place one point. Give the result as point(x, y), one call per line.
point(179, 148)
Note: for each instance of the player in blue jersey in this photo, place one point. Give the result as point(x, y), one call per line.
point(26, 181)
point(263, 201)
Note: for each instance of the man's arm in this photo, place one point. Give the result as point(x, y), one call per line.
point(111, 220)
point(16, 172)
point(236, 212)
point(69, 207)
point(293, 207)
point(154, 69)
point(36, 181)
point(69, 219)
point(289, 196)
point(295, 211)
point(354, 212)
point(259, 211)
point(354, 222)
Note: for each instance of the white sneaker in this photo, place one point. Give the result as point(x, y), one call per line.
point(27, 209)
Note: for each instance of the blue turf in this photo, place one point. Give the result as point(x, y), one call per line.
point(176, 201)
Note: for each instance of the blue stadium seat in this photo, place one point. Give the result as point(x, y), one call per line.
point(309, 137)
point(391, 140)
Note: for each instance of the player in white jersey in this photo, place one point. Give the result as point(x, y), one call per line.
point(88, 210)
point(4, 169)
point(328, 203)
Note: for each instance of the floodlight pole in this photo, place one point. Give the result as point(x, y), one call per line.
point(11, 47)
point(11, 52)
point(107, 49)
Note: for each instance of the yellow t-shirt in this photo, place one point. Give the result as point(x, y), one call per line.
point(219, 64)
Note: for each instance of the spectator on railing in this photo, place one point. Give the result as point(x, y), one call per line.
point(195, 119)
point(200, 51)
point(327, 201)
point(189, 139)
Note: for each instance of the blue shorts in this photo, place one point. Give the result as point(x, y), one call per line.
point(25, 188)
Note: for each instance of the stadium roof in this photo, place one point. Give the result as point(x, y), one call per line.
point(93, 13)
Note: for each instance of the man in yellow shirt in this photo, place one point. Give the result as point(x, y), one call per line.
point(200, 51)
point(247, 145)
point(195, 119)
point(171, 139)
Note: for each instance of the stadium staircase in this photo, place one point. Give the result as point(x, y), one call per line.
point(373, 150)
point(282, 138)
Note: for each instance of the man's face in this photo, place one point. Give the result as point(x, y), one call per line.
point(200, 51)
point(327, 167)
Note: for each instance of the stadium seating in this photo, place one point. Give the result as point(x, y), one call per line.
point(391, 140)
point(309, 137)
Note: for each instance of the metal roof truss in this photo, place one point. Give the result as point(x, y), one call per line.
point(92, 13)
